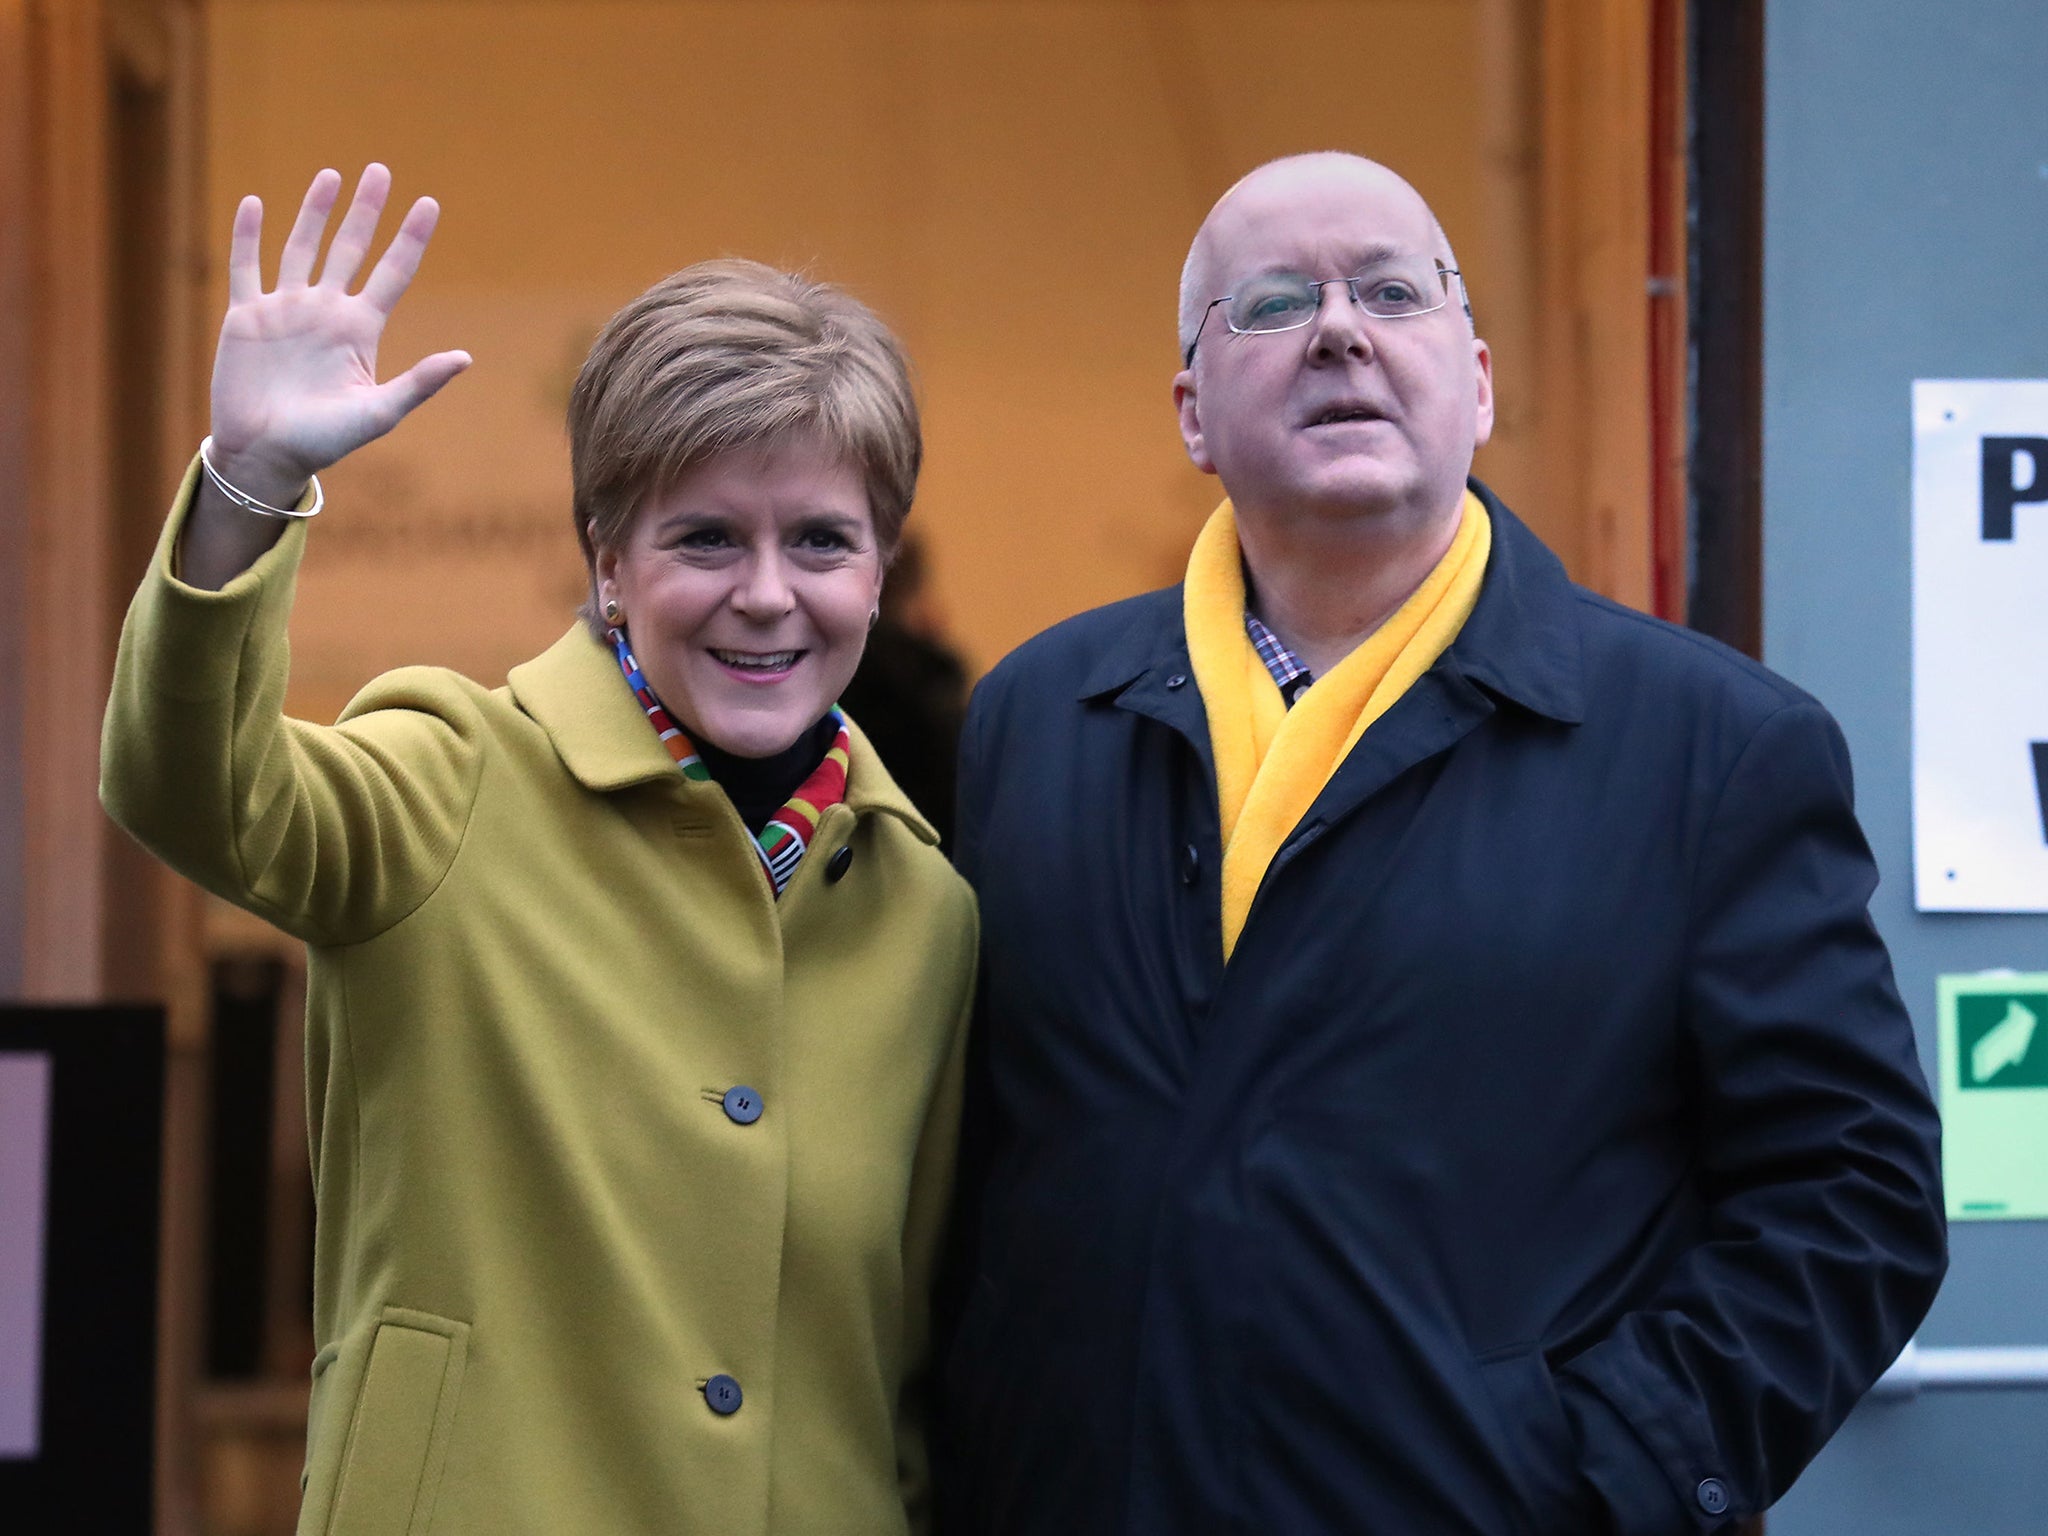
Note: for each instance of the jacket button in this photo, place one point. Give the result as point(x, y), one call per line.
point(840, 862)
point(1178, 680)
point(722, 1395)
point(1712, 1494)
point(742, 1105)
point(1190, 864)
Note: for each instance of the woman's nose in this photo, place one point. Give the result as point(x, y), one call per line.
point(764, 592)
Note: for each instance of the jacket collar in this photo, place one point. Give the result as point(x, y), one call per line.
point(574, 691)
point(1155, 640)
point(1521, 643)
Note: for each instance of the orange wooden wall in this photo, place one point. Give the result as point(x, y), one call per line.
point(1012, 185)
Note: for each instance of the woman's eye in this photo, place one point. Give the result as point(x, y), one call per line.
point(704, 539)
point(824, 540)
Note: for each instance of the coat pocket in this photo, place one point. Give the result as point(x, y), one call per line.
point(397, 1436)
point(1538, 1449)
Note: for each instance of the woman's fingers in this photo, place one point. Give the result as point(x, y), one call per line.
point(397, 398)
point(358, 228)
point(245, 252)
point(394, 271)
point(302, 245)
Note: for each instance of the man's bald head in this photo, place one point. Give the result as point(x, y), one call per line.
point(1344, 412)
point(1253, 195)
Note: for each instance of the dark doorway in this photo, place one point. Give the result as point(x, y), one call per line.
point(1724, 595)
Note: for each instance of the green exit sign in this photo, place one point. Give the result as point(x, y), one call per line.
point(1994, 1095)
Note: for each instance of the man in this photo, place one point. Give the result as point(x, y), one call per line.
point(1438, 1071)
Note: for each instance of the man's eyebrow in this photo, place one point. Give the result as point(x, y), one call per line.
point(1368, 256)
point(1376, 253)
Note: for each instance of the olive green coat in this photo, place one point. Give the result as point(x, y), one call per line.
point(538, 956)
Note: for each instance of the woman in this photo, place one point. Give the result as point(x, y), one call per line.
point(637, 989)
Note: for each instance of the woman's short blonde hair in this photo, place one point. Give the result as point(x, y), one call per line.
point(733, 354)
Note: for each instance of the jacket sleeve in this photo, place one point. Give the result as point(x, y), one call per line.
point(924, 1243)
point(1818, 1155)
point(332, 833)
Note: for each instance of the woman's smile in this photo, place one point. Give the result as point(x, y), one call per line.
point(759, 666)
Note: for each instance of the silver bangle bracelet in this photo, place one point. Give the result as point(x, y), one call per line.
point(249, 503)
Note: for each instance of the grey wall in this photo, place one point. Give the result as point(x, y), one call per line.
point(1906, 236)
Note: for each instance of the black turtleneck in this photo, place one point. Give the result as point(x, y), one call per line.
point(760, 786)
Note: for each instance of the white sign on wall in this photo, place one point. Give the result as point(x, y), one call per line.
point(1980, 645)
point(24, 1203)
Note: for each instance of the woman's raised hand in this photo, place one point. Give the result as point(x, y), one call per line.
point(295, 379)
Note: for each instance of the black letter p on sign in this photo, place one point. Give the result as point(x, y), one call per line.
point(2002, 492)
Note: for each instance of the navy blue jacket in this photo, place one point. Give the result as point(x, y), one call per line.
point(1551, 1155)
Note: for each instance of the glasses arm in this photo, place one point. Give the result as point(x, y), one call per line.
point(1188, 358)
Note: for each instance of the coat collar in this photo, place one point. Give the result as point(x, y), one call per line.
point(1155, 640)
point(1521, 643)
point(574, 691)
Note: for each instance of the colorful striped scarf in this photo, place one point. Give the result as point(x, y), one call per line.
point(784, 840)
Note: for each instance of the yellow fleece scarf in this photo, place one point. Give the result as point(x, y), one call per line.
point(1272, 761)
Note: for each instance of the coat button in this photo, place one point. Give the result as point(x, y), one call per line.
point(840, 862)
point(742, 1105)
point(1190, 864)
point(1712, 1494)
point(1178, 680)
point(722, 1394)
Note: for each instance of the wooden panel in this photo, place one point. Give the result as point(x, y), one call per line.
point(107, 222)
point(66, 657)
point(1504, 270)
point(161, 48)
point(136, 194)
point(16, 496)
point(1595, 260)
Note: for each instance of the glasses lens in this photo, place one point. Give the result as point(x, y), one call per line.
point(1397, 289)
point(1276, 302)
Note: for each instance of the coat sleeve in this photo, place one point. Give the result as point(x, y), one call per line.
point(924, 1244)
point(1818, 1155)
point(333, 833)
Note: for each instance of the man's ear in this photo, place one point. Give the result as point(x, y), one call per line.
point(1482, 365)
point(1187, 407)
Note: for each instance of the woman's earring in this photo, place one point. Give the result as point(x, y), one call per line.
point(874, 615)
point(612, 611)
